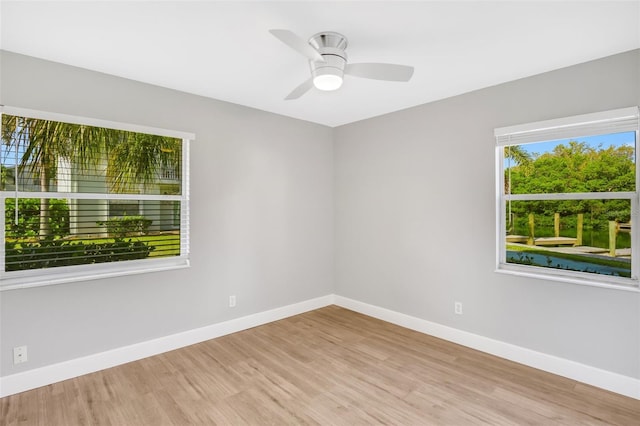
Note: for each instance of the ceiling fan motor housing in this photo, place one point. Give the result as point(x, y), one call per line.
point(331, 46)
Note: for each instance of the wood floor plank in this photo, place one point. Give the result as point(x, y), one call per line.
point(331, 366)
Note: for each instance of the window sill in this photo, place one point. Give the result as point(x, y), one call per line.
point(623, 284)
point(44, 277)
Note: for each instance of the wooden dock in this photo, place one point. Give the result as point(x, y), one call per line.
point(624, 227)
point(555, 241)
point(543, 241)
point(558, 242)
point(517, 239)
point(585, 250)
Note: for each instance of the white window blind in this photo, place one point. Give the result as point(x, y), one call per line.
point(614, 121)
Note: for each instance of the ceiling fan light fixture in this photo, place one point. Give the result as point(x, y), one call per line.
point(327, 82)
point(328, 63)
point(327, 79)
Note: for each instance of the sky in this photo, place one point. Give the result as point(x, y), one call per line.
point(612, 139)
point(602, 141)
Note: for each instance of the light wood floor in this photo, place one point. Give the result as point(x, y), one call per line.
point(330, 367)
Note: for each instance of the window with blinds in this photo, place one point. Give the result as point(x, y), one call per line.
point(567, 199)
point(85, 198)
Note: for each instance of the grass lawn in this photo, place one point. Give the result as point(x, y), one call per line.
point(165, 244)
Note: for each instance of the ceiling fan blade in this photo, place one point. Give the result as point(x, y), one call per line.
point(300, 90)
point(297, 44)
point(378, 71)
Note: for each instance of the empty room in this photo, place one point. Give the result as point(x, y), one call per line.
point(319, 213)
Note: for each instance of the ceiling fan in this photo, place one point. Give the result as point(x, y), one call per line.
point(328, 62)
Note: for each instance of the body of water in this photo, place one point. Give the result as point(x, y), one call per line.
point(568, 264)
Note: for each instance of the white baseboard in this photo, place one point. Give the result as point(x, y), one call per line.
point(43, 376)
point(604, 379)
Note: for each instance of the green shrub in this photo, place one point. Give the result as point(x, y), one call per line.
point(29, 217)
point(52, 253)
point(120, 227)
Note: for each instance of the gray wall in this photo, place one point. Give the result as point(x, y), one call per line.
point(409, 197)
point(261, 201)
point(415, 218)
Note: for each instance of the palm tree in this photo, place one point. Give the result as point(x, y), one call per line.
point(137, 158)
point(523, 159)
point(132, 158)
point(517, 154)
point(6, 176)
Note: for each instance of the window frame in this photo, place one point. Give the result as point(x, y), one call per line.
point(599, 123)
point(64, 274)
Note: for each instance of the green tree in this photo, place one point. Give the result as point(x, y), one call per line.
point(523, 159)
point(518, 154)
point(6, 176)
point(43, 143)
point(28, 223)
point(133, 159)
point(571, 168)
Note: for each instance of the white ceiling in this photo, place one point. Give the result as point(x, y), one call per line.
point(223, 50)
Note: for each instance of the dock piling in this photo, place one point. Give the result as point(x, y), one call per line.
point(579, 226)
point(532, 239)
point(613, 233)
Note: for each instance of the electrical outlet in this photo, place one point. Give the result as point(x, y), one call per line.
point(232, 301)
point(457, 308)
point(19, 354)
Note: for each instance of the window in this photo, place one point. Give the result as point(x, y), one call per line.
point(567, 199)
point(84, 198)
point(118, 208)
